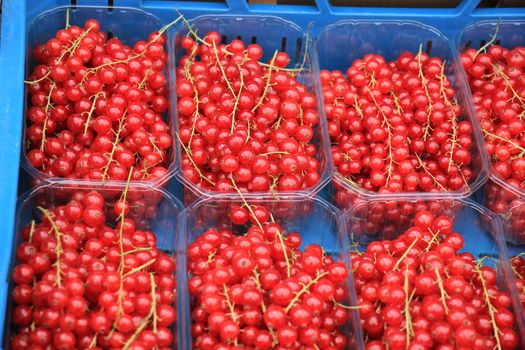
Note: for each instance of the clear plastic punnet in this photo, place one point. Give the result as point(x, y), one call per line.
point(499, 194)
point(151, 222)
point(340, 44)
point(272, 34)
point(316, 221)
point(482, 232)
point(514, 232)
point(129, 25)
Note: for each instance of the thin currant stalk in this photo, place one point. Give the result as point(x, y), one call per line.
point(31, 231)
point(151, 139)
point(515, 145)
point(408, 318)
point(187, 73)
point(121, 126)
point(71, 50)
point(434, 239)
point(453, 119)
point(46, 111)
point(425, 169)
point(221, 67)
point(231, 306)
point(121, 267)
point(505, 78)
point(93, 342)
point(267, 85)
point(488, 44)
point(145, 78)
point(425, 88)
point(191, 31)
point(358, 109)
point(58, 250)
point(396, 102)
point(389, 143)
point(257, 281)
point(405, 254)
point(188, 153)
point(491, 309)
point(442, 291)
point(279, 234)
point(91, 110)
point(235, 106)
point(305, 289)
point(347, 307)
point(138, 55)
point(140, 267)
point(67, 19)
point(145, 322)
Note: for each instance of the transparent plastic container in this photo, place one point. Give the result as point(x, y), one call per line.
point(340, 44)
point(499, 195)
point(151, 209)
point(514, 229)
point(506, 201)
point(127, 24)
point(271, 33)
point(481, 229)
point(317, 221)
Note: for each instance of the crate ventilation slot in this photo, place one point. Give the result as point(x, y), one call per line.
point(428, 47)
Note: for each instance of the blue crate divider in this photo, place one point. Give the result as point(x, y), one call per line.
point(18, 14)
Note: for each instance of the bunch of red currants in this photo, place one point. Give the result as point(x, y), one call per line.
point(82, 284)
point(496, 80)
point(242, 119)
point(418, 291)
point(396, 127)
point(96, 106)
point(259, 291)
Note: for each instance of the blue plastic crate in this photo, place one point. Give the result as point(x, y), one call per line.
point(18, 15)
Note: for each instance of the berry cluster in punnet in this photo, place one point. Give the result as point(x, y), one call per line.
point(245, 119)
point(96, 106)
point(495, 76)
point(498, 89)
point(396, 126)
point(82, 282)
point(259, 290)
point(421, 290)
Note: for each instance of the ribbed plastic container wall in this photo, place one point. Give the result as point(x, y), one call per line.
point(514, 231)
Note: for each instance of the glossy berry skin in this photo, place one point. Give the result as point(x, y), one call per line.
point(96, 107)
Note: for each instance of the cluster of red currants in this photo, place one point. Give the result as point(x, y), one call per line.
point(517, 264)
point(259, 291)
point(96, 106)
point(395, 126)
point(244, 119)
point(496, 80)
point(418, 291)
point(81, 284)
